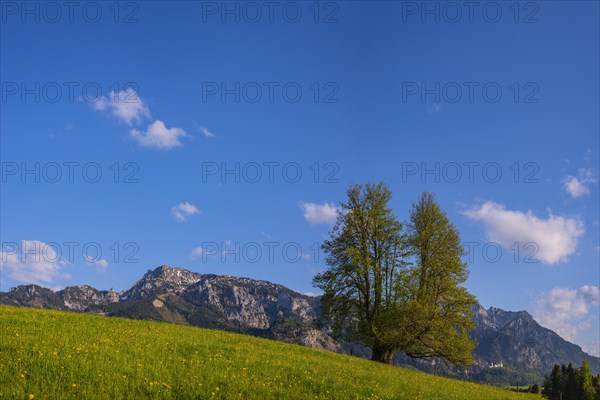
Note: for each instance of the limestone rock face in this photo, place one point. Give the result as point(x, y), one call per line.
point(80, 298)
point(251, 303)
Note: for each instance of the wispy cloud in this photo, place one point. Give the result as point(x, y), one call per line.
point(197, 252)
point(592, 348)
point(101, 264)
point(567, 311)
point(314, 213)
point(157, 135)
point(434, 108)
point(312, 294)
point(126, 106)
point(183, 211)
point(555, 236)
point(206, 133)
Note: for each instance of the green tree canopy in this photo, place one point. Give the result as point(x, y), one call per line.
point(394, 290)
point(586, 383)
point(443, 304)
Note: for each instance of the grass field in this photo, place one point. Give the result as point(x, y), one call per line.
point(56, 355)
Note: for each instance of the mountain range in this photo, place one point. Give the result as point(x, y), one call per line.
point(512, 346)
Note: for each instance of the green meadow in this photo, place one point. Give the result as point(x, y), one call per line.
point(60, 355)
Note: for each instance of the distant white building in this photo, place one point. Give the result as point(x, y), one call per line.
point(499, 365)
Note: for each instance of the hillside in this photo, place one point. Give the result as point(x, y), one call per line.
point(526, 350)
point(51, 354)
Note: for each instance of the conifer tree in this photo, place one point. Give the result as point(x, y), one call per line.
point(586, 385)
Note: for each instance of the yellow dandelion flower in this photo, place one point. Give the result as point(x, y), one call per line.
point(74, 385)
point(31, 396)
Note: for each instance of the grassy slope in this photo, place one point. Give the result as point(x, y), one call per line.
point(52, 355)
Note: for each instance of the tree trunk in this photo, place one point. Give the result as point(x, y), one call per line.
point(382, 354)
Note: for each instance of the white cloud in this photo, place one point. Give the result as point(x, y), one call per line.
point(575, 187)
point(312, 294)
point(227, 248)
point(314, 213)
point(578, 186)
point(129, 108)
point(102, 264)
point(556, 237)
point(33, 262)
point(206, 133)
point(183, 211)
point(159, 136)
point(592, 348)
point(196, 253)
point(125, 105)
point(591, 294)
point(562, 309)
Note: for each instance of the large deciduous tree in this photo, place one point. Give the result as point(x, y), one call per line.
point(365, 255)
point(443, 304)
point(394, 290)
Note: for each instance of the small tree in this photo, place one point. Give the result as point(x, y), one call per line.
point(547, 387)
point(557, 381)
point(586, 384)
point(571, 383)
point(596, 383)
point(535, 389)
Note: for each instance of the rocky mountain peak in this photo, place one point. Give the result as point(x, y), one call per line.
point(33, 296)
point(497, 318)
point(478, 310)
point(161, 280)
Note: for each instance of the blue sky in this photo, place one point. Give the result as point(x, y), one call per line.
point(494, 110)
